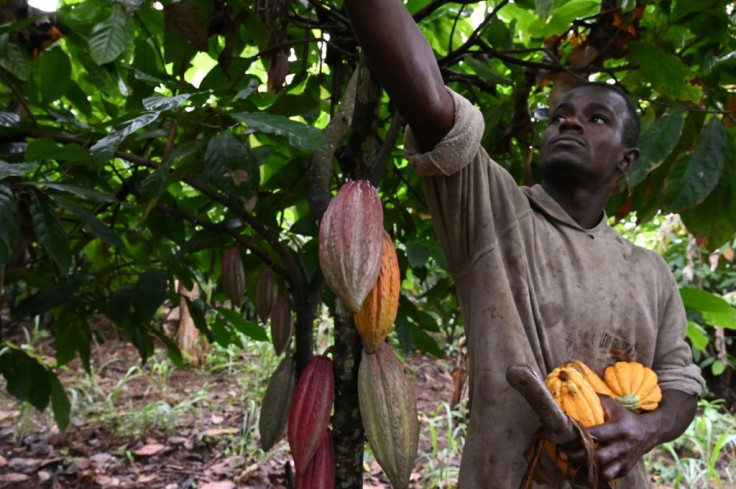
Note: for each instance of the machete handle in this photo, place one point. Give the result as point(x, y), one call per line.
point(556, 424)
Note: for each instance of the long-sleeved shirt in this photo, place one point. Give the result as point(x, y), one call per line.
point(537, 288)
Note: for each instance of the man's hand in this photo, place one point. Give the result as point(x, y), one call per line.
point(626, 436)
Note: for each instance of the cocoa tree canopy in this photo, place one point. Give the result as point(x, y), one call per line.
point(140, 140)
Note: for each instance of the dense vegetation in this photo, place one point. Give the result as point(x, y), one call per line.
point(140, 140)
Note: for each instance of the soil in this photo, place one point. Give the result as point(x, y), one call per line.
point(178, 429)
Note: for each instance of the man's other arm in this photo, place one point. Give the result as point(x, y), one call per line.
point(405, 65)
point(625, 436)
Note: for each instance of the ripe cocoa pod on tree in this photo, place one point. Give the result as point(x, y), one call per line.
point(320, 473)
point(276, 403)
point(309, 416)
point(389, 411)
point(281, 325)
point(351, 242)
point(266, 292)
point(378, 312)
point(233, 276)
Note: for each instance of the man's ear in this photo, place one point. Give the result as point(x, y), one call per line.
point(629, 158)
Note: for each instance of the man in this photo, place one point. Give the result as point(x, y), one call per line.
point(540, 277)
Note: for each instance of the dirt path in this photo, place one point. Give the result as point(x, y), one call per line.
point(158, 427)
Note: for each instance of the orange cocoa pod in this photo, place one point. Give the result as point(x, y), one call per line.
point(378, 312)
point(281, 325)
point(351, 242)
point(309, 416)
point(233, 276)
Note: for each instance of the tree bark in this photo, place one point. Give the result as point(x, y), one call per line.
point(347, 423)
point(356, 160)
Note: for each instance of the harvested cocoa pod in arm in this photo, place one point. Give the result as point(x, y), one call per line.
point(405, 65)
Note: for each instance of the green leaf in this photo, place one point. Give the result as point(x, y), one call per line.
point(94, 225)
point(105, 148)
point(695, 176)
point(544, 8)
point(171, 349)
point(48, 149)
point(697, 336)
point(656, 143)
point(417, 255)
point(248, 328)
point(49, 231)
point(425, 342)
point(88, 193)
point(148, 295)
point(17, 61)
point(715, 310)
point(53, 74)
point(562, 16)
point(27, 379)
point(109, 37)
point(300, 135)
point(59, 402)
point(165, 103)
point(664, 71)
point(15, 169)
point(9, 119)
point(8, 225)
point(230, 166)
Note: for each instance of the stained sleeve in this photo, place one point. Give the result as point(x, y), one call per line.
point(673, 359)
point(471, 198)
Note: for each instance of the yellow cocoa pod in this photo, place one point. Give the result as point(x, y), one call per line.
point(575, 396)
point(378, 312)
point(593, 378)
point(633, 385)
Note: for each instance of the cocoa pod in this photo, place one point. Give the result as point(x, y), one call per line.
point(378, 312)
point(276, 402)
point(281, 324)
point(309, 416)
point(389, 411)
point(351, 242)
point(233, 276)
point(320, 473)
point(266, 292)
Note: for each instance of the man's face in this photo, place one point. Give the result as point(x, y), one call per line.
point(583, 142)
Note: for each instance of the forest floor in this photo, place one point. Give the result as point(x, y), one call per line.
point(160, 427)
point(155, 426)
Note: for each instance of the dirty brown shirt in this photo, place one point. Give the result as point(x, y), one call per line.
point(537, 288)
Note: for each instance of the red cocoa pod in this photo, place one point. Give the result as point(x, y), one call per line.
point(351, 242)
point(233, 276)
point(320, 473)
point(276, 402)
point(281, 324)
point(266, 292)
point(378, 312)
point(389, 411)
point(310, 411)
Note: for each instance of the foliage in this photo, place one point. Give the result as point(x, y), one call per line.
point(153, 136)
point(702, 456)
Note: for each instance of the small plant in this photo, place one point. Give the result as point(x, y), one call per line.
point(704, 456)
point(445, 429)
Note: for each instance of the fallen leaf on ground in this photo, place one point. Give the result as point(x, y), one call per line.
point(218, 485)
point(149, 450)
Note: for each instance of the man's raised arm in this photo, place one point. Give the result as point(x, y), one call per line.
point(405, 65)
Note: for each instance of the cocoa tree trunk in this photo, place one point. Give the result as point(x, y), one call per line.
point(356, 160)
point(347, 424)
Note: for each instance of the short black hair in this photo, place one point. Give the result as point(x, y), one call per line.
point(632, 123)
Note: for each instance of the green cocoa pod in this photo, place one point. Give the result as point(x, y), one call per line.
point(389, 411)
point(276, 402)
